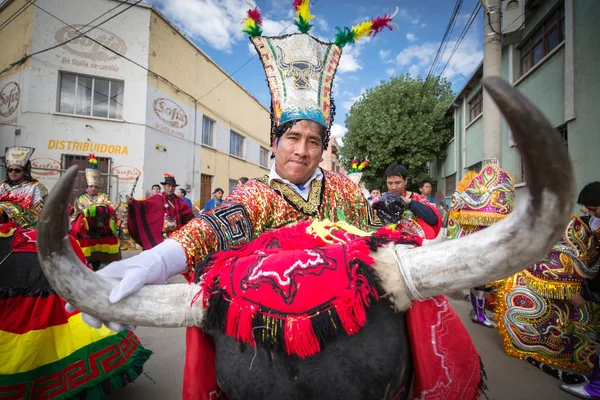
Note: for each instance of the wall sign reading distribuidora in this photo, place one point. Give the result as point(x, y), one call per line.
point(72, 145)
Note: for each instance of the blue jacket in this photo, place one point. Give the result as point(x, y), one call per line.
point(212, 203)
point(189, 203)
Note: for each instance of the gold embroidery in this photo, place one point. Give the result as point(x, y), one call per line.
point(310, 206)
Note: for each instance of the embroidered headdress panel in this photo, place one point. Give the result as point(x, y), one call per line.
point(300, 68)
point(18, 155)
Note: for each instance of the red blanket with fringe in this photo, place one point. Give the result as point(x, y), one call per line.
point(277, 277)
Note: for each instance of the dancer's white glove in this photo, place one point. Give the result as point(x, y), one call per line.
point(152, 267)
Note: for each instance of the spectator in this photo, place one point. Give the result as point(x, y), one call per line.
point(396, 177)
point(425, 187)
point(182, 193)
point(375, 195)
point(156, 189)
point(216, 200)
point(242, 181)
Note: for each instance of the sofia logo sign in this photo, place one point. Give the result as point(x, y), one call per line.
point(170, 113)
point(84, 47)
point(41, 166)
point(10, 95)
point(126, 172)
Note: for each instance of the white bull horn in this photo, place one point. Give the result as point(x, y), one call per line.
point(167, 306)
point(520, 239)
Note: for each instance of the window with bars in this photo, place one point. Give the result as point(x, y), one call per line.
point(476, 106)
point(264, 157)
point(545, 39)
point(450, 182)
point(207, 131)
point(90, 96)
point(236, 144)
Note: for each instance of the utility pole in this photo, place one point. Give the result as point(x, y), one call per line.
point(492, 65)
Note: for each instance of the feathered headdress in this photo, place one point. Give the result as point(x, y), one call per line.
point(355, 173)
point(300, 68)
point(92, 174)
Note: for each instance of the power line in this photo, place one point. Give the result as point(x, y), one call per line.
point(24, 58)
point(443, 43)
point(15, 15)
point(158, 76)
point(473, 17)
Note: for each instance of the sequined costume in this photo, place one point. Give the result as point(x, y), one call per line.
point(481, 199)
point(535, 317)
point(22, 203)
point(261, 205)
point(45, 351)
point(99, 244)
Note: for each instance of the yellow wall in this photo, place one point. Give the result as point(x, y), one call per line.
point(175, 58)
point(15, 39)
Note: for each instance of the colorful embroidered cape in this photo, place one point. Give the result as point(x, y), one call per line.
point(261, 205)
point(146, 218)
point(535, 317)
point(23, 202)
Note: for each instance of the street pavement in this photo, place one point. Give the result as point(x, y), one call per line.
point(507, 377)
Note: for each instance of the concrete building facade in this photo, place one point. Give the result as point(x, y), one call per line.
point(553, 61)
point(134, 91)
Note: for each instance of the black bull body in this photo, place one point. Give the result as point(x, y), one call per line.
point(364, 365)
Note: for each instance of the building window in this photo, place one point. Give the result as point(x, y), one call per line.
point(232, 185)
point(87, 95)
point(236, 145)
point(475, 167)
point(207, 131)
point(264, 157)
point(476, 106)
point(545, 39)
point(450, 185)
point(562, 130)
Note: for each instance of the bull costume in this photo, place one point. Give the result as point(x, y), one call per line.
point(480, 200)
point(152, 220)
point(406, 274)
point(95, 221)
point(255, 223)
point(47, 352)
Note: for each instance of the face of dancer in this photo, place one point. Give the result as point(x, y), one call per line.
point(16, 173)
point(169, 189)
point(298, 152)
point(92, 190)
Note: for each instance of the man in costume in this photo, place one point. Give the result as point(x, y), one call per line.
point(419, 207)
point(589, 198)
point(536, 317)
point(95, 221)
point(295, 189)
point(40, 341)
point(21, 196)
point(152, 220)
point(480, 200)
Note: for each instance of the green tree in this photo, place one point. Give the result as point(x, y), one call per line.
point(401, 121)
